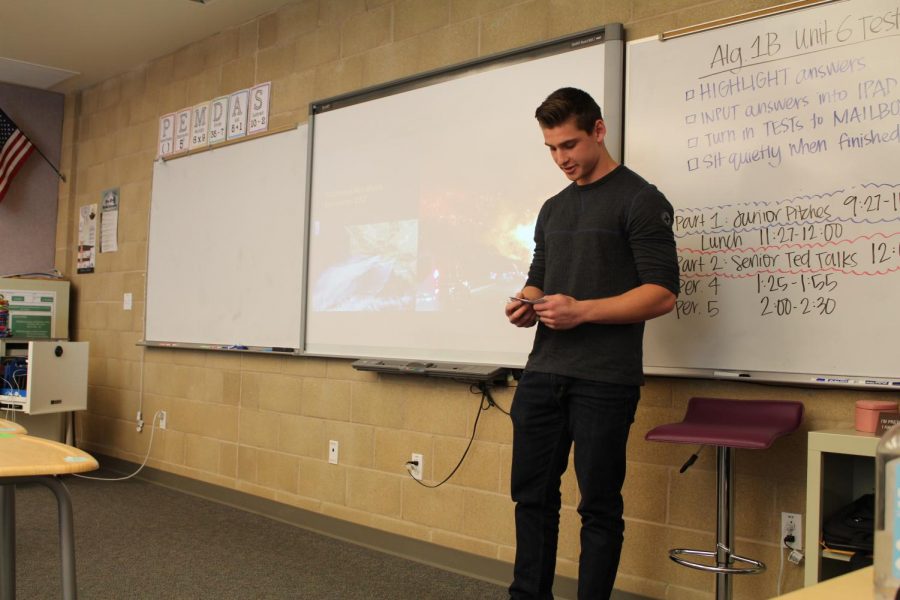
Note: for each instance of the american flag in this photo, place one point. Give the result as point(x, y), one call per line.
point(14, 149)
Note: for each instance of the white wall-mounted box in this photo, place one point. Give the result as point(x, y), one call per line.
point(50, 376)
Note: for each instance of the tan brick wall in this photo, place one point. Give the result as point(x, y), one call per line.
point(261, 424)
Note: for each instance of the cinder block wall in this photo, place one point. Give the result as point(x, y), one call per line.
point(261, 424)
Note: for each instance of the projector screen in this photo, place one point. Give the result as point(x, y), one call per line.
point(423, 199)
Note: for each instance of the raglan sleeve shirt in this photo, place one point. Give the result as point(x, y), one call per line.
point(601, 240)
point(649, 225)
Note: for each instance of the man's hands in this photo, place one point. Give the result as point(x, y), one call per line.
point(521, 314)
point(556, 311)
point(559, 311)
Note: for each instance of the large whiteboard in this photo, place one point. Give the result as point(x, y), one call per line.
point(778, 143)
point(424, 197)
point(226, 245)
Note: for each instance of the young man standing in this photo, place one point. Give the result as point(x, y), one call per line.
point(604, 262)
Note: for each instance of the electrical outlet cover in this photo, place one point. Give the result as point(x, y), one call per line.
point(792, 524)
point(416, 470)
point(333, 452)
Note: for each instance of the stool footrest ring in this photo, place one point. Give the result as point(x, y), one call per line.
point(755, 566)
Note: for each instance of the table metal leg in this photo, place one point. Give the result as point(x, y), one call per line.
point(66, 535)
point(7, 542)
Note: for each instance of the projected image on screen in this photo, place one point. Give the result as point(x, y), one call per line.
point(379, 272)
point(495, 260)
point(412, 265)
point(422, 212)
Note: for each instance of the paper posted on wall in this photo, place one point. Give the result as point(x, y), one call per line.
point(87, 238)
point(109, 221)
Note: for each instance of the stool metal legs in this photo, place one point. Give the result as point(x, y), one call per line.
point(724, 518)
point(724, 557)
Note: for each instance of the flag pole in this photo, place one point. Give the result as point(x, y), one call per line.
point(55, 170)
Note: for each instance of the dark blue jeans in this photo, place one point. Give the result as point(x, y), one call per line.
point(549, 413)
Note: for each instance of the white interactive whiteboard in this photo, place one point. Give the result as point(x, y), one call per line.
point(778, 143)
point(423, 200)
point(226, 245)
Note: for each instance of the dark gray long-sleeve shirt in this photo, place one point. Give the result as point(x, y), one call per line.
point(596, 241)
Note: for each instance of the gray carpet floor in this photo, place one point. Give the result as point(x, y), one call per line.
point(136, 539)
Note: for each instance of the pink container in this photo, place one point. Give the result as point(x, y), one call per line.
point(867, 413)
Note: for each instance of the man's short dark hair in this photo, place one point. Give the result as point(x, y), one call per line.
point(565, 103)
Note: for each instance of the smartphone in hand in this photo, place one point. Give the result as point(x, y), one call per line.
point(529, 300)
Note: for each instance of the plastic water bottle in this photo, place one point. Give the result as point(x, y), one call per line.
point(887, 515)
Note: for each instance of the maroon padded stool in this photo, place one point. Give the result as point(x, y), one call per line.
point(727, 425)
